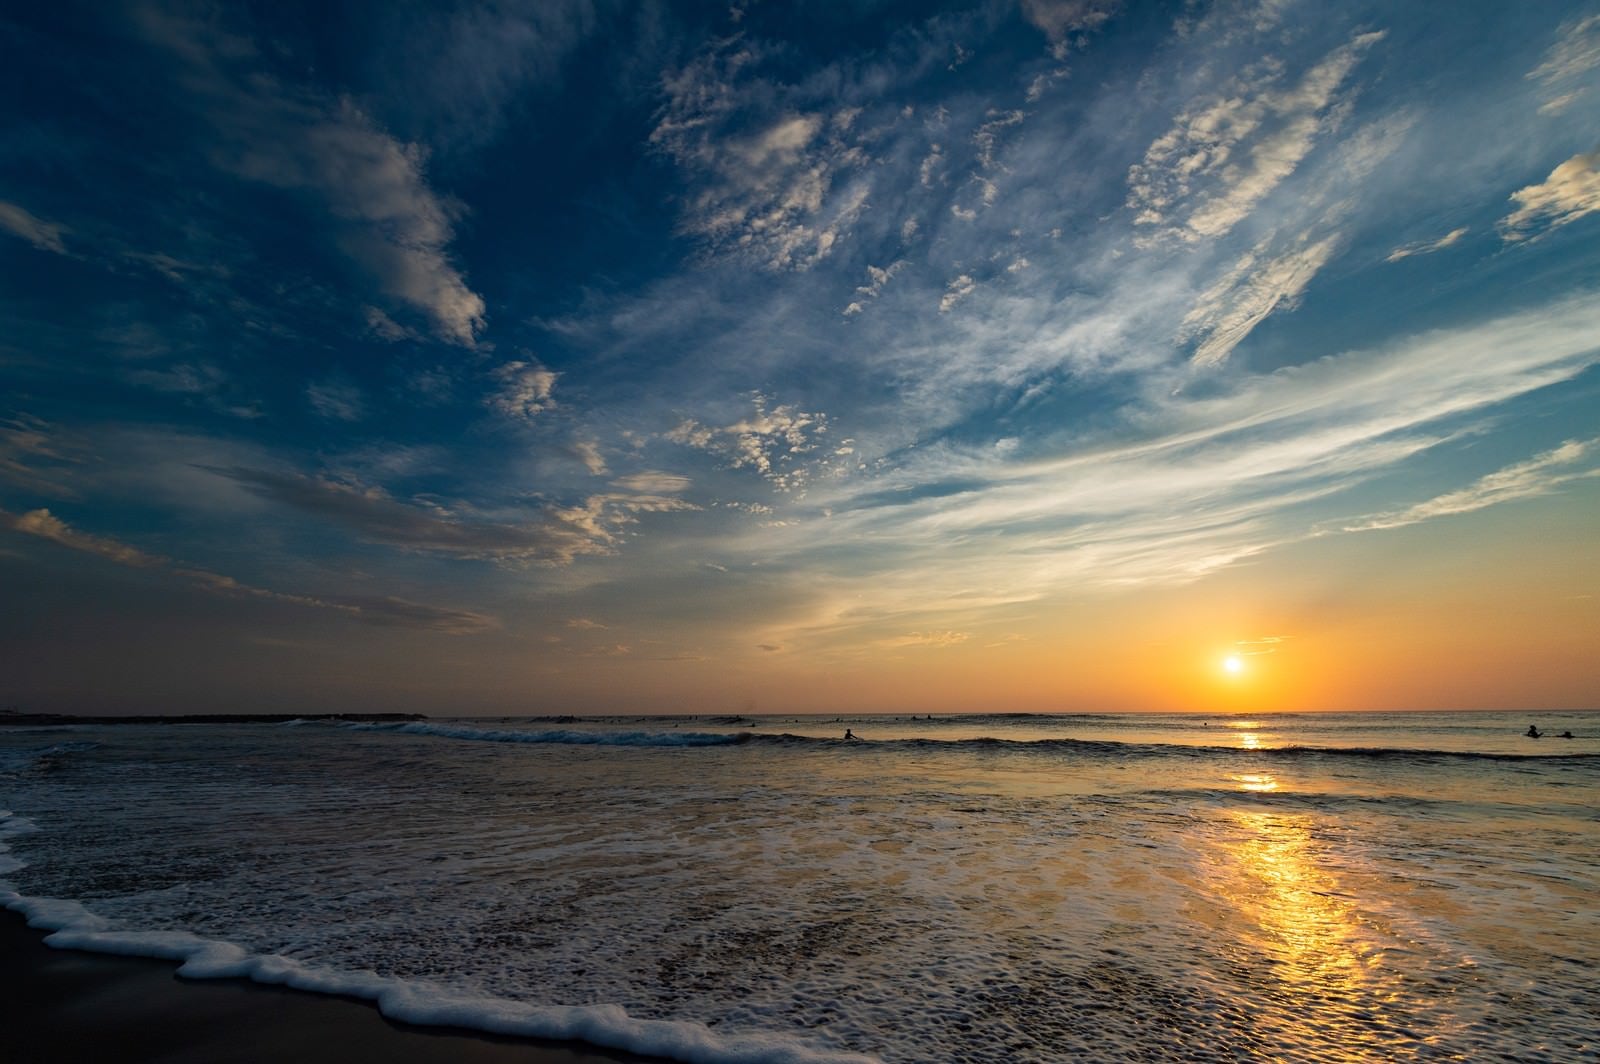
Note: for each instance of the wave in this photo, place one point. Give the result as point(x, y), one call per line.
point(1322, 801)
point(1082, 747)
point(1111, 748)
point(561, 737)
point(41, 758)
point(1386, 752)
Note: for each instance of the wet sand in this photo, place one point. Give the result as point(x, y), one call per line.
point(64, 1005)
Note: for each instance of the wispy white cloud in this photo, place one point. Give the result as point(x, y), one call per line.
point(202, 380)
point(1426, 247)
point(31, 456)
point(554, 535)
point(1042, 83)
point(1276, 272)
point(385, 327)
point(1556, 104)
point(784, 171)
point(600, 519)
point(1575, 53)
point(526, 389)
point(381, 610)
point(877, 277)
point(391, 612)
point(375, 516)
point(336, 400)
point(654, 483)
point(1221, 158)
point(397, 226)
point(1226, 23)
point(373, 186)
point(1539, 475)
point(1256, 286)
point(781, 185)
point(588, 452)
point(987, 136)
point(1571, 191)
point(1059, 20)
point(955, 291)
point(774, 441)
point(928, 639)
point(46, 236)
point(45, 525)
point(1267, 644)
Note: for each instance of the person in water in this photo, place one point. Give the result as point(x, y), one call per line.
point(1565, 735)
point(848, 734)
point(1532, 732)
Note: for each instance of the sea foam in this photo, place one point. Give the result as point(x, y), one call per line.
point(418, 1002)
point(11, 825)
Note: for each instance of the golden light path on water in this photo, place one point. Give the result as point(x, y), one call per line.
point(1308, 931)
point(1250, 737)
point(1317, 947)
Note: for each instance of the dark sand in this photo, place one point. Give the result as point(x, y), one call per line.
point(63, 1005)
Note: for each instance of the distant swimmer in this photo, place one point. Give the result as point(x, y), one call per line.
point(1565, 735)
point(848, 734)
point(1533, 732)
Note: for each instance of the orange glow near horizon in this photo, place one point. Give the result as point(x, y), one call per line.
point(1160, 650)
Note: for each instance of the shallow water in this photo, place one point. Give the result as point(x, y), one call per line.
point(1318, 888)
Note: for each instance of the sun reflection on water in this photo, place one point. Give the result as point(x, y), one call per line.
point(1315, 950)
point(1260, 784)
point(1249, 734)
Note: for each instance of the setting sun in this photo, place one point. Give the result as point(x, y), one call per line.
point(1233, 665)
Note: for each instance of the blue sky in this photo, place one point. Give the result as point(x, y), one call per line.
point(586, 355)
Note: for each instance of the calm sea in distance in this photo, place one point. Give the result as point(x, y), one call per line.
point(1312, 887)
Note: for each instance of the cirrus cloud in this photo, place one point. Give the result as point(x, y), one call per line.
point(46, 236)
point(1571, 191)
point(386, 216)
point(385, 610)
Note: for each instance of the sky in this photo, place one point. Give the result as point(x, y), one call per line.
point(592, 357)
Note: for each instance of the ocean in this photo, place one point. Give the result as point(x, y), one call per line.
point(1294, 887)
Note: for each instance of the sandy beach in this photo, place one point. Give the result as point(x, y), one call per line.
point(66, 1005)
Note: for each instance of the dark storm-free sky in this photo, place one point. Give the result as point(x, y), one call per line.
point(534, 357)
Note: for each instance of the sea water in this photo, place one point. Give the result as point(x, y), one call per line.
point(1312, 887)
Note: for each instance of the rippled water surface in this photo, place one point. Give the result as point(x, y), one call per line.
point(972, 889)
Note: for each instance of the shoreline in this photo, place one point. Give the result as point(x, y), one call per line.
point(66, 1005)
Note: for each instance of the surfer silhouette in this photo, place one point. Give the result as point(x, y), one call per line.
point(848, 734)
point(1564, 735)
point(1533, 732)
